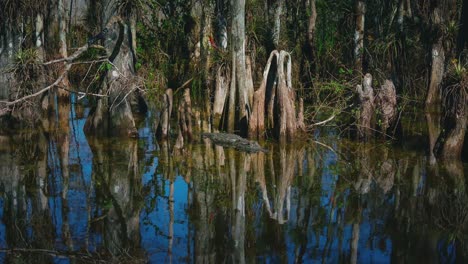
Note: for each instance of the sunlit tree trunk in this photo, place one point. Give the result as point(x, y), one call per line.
point(39, 36)
point(278, 11)
point(238, 82)
point(63, 45)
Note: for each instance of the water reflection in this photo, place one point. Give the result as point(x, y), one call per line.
point(71, 198)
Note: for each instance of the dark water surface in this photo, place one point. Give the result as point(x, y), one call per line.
point(66, 198)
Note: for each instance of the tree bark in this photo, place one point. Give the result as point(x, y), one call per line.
point(300, 117)
point(278, 10)
point(280, 106)
point(386, 102)
point(164, 122)
point(188, 115)
point(221, 92)
point(463, 29)
point(239, 72)
point(359, 35)
point(401, 13)
point(62, 93)
point(366, 114)
point(437, 72)
point(249, 86)
point(39, 34)
point(433, 131)
point(113, 115)
point(56, 29)
point(206, 32)
point(286, 99)
point(257, 119)
point(449, 145)
point(10, 44)
point(311, 26)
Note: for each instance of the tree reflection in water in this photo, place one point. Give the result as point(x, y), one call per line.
point(68, 196)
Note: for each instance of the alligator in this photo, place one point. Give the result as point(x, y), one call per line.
point(234, 141)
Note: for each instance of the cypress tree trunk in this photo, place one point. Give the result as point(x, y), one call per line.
point(278, 10)
point(367, 107)
point(206, 32)
point(437, 72)
point(359, 35)
point(56, 48)
point(10, 43)
point(311, 30)
point(62, 20)
point(238, 82)
point(114, 114)
point(450, 141)
point(441, 14)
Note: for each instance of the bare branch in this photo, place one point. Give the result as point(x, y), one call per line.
point(8, 103)
point(75, 55)
point(68, 63)
point(324, 121)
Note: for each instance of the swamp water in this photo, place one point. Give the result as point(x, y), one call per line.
point(68, 198)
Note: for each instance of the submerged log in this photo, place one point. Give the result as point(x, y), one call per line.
point(234, 141)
